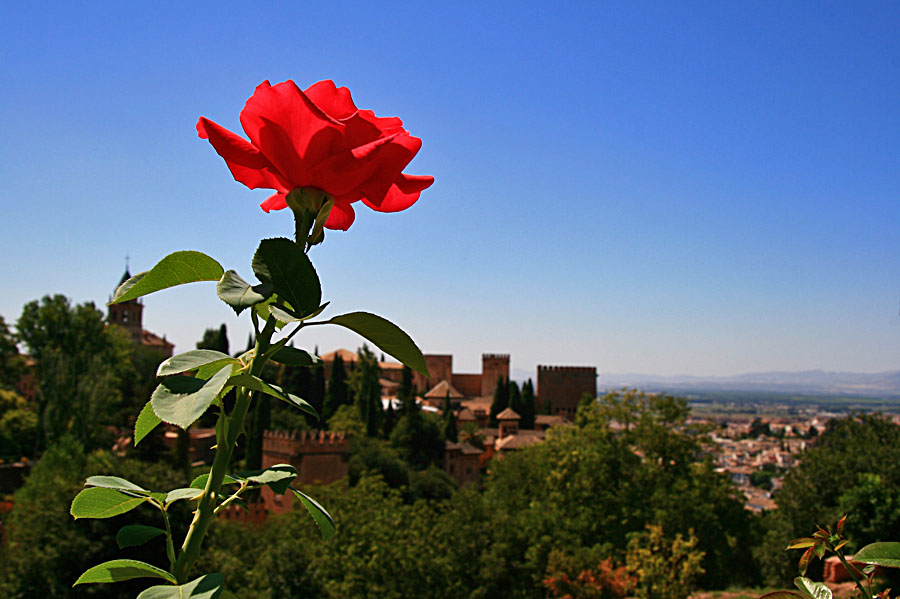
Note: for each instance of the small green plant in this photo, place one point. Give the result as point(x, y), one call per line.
point(831, 540)
point(665, 569)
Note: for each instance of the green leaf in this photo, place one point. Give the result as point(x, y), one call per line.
point(801, 543)
point(803, 564)
point(192, 360)
point(322, 518)
point(123, 569)
point(277, 477)
point(783, 595)
point(257, 384)
point(180, 400)
point(820, 550)
point(209, 586)
point(183, 493)
point(880, 554)
point(133, 535)
point(146, 421)
point(813, 590)
point(286, 315)
point(291, 356)
point(386, 335)
point(237, 293)
point(99, 502)
point(175, 269)
point(114, 482)
point(200, 481)
point(284, 265)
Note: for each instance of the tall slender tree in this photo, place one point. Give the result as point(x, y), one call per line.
point(337, 394)
point(449, 417)
point(501, 399)
point(215, 339)
point(515, 398)
point(528, 408)
point(406, 393)
point(364, 381)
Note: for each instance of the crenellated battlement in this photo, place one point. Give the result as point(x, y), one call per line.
point(495, 357)
point(304, 442)
point(592, 370)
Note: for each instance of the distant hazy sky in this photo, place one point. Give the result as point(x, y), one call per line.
point(666, 187)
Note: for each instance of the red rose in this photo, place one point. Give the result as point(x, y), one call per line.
point(318, 138)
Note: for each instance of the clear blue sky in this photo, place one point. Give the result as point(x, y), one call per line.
point(673, 188)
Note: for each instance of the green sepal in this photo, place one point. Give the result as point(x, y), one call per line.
point(317, 235)
point(321, 517)
point(133, 535)
point(181, 400)
point(146, 421)
point(283, 264)
point(239, 294)
point(387, 336)
point(175, 269)
point(291, 356)
point(99, 502)
point(192, 360)
point(118, 570)
point(209, 586)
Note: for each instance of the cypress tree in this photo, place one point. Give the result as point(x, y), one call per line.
point(337, 393)
point(450, 432)
point(367, 390)
point(317, 390)
point(390, 419)
point(406, 393)
point(528, 409)
point(515, 398)
point(501, 400)
point(215, 339)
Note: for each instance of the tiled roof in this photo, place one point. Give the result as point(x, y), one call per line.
point(441, 390)
point(153, 340)
point(346, 356)
point(516, 441)
point(466, 415)
point(508, 414)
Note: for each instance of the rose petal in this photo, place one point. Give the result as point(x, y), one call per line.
point(363, 126)
point(276, 201)
point(347, 170)
point(391, 161)
point(245, 161)
point(340, 217)
point(402, 194)
point(287, 128)
point(334, 101)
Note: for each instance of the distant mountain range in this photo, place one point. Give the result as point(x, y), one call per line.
point(807, 382)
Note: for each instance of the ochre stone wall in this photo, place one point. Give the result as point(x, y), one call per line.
point(440, 367)
point(493, 366)
point(320, 457)
point(563, 386)
point(467, 384)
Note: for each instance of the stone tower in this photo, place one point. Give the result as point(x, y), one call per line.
point(128, 315)
point(493, 366)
